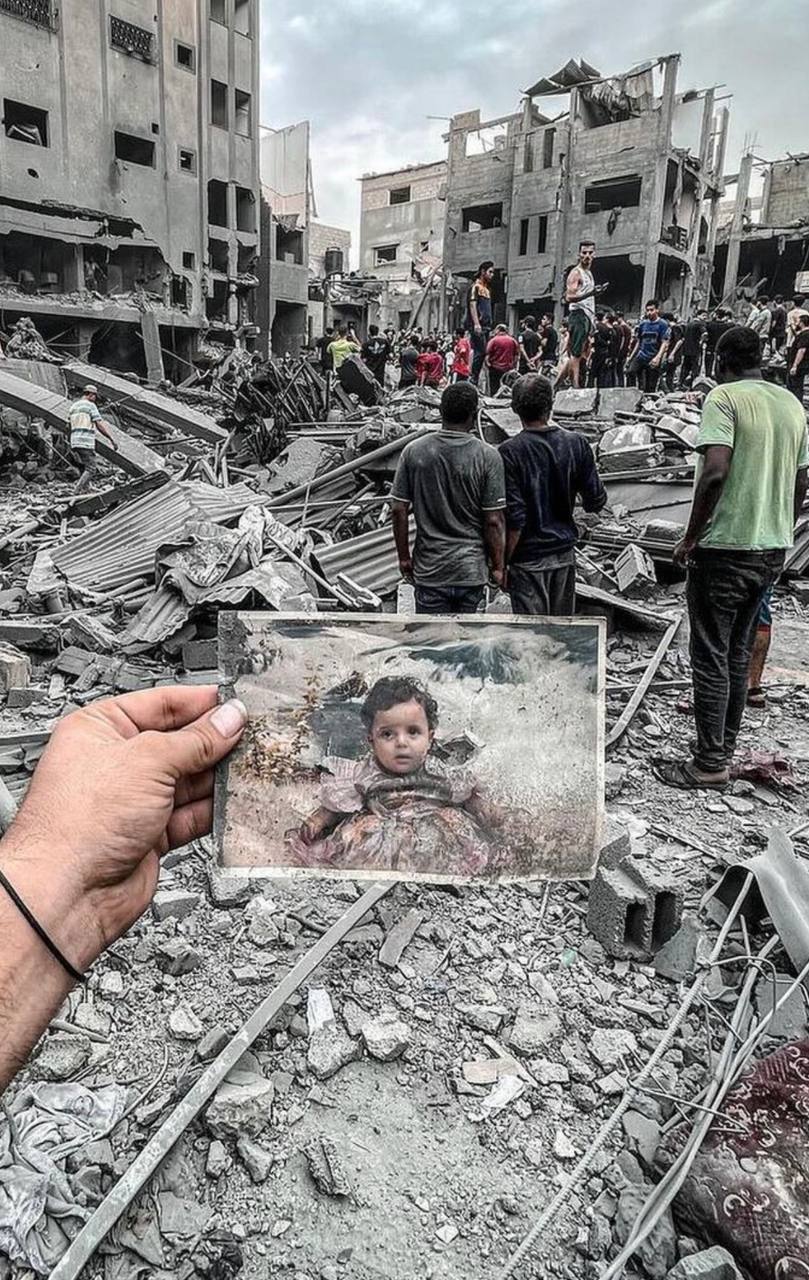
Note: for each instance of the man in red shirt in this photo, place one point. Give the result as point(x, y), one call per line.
point(430, 365)
point(461, 357)
point(502, 355)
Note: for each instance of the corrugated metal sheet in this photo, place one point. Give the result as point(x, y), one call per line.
point(120, 548)
point(222, 505)
point(370, 560)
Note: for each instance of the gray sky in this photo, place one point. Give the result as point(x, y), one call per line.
point(367, 73)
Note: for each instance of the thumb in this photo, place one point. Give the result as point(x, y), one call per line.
point(208, 740)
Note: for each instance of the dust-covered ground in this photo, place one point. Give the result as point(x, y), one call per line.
point(524, 696)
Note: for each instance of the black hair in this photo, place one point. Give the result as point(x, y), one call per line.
point(653, 303)
point(373, 329)
point(530, 322)
point(779, 298)
point(532, 398)
point(739, 349)
point(484, 266)
point(460, 332)
point(459, 403)
point(390, 691)
point(799, 300)
point(585, 244)
point(762, 298)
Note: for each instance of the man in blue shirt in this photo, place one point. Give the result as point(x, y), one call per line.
point(649, 348)
point(546, 469)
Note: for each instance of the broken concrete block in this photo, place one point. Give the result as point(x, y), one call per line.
point(483, 1017)
point(628, 448)
point(711, 1264)
point(329, 1050)
point(672, 425)
point(217, 1161)
point(616, 843)
point(612, 1047)
point(642, 1137)
point(176, 956)
point(242, 1105)
point(262, 929)
point(398, 938)
point(386, 1037)
point(613, 400)
point(19, 698)
point(533, 1032)
point(614, 779)
point(184, 1024)
point(635, 573)
point(575, 402)
point(255, 1159)
point(212, 1043)
point(62, 1057)
point(174, 903)
point(677, 958)
point(228, 888)
point(663, 531)
point(326, 1166)
point(633, 909)
point(15, 668)
point(659, 1250)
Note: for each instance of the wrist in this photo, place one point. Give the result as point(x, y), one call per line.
point(53, 893)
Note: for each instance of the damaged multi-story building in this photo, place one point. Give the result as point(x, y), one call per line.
point(402, 241)
point(763, 245)
point(632, 163)
point(129, 175)
point(287, 203)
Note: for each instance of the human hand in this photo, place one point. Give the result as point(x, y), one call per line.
point(683, 552)
point(406, 568)
point(655, 363)
point(498, 577)
point(121, 782)
point(478, 329)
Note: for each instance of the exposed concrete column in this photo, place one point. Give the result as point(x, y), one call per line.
point(563, 218)
point(736, 227)
point(655, 226)
point(84, 337)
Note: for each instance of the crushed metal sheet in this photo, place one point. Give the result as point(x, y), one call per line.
point(369, 560)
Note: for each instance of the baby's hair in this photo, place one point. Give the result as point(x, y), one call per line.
point(390, 691)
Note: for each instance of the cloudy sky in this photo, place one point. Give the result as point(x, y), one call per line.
point(369, 73)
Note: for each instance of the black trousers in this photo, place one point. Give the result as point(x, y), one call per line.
point(549, 593)
point(449, 599)
point(689, 369)
point(479, 343)
point(724, 594)
point(648, 377)
point(496, 376)
point(795, 384)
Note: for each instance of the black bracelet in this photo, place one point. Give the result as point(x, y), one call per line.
point(37, 927)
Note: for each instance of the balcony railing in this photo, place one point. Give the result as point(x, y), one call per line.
point(128, 38)
point(38, 12)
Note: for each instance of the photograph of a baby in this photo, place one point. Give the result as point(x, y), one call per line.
point(397, 809)
point(425, 749)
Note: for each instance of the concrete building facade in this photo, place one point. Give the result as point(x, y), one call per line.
point(632, 164)
point(286, 203)
point(402, 240)
point(129, 163)
point(327, 246)
point(763, 247)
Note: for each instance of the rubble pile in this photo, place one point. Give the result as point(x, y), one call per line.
point(420, 1101)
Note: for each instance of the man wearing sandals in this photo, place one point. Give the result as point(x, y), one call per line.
point(751, 482)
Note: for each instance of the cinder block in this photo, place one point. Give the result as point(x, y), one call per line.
point(635, 572)
point(633, 909)
point(15, 668)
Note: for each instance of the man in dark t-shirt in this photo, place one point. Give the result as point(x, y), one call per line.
point(481, 316)
point(530, 344)
point(799, 359)
point(408, 359)
point(375, 353)
point(323, 344)
point(550, 340)
point(694, 336)
point(546, 468)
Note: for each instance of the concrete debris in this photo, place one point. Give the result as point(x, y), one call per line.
point(677, 959)
point(217, 1160)
point(326, 1167)
point(174, 903)
point(184, 1024)
point(257, 1161)
point(532, 1031)
point(176, 956)
point(633, 909)
point(329, 1050)
point(710, 1264)
point(635, 573)
point(242, 1105)
point(62, 1057)
point(658, 1253)
point(386, 1037)
point(15, 668)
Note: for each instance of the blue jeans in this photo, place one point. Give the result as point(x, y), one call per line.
point(448, 600)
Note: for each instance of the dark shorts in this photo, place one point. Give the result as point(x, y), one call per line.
point(86, 459)
point(578, 327)
point(449, 600)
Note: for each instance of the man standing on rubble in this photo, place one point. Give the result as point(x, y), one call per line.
point(85, 420)
point(694, 337)
point(547, 468)
point(454, 486)
point(580, 295)
point(799, 359)
point(502, 357)
point(480, 315)
point(375, 353)
point(342, 346)
point(750, 485)
point(649, 349)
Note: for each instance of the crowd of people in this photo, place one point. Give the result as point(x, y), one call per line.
point(591, 347)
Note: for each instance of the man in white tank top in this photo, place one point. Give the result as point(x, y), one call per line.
point(580, 295)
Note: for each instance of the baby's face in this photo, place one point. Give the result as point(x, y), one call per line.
point(400, 737)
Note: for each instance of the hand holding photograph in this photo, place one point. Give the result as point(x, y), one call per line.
point(431, 749)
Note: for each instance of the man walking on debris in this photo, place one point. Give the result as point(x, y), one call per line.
point(341, 348)
point(453, 484)
point(750, 485)
point(85, 420)
point(547, 468)
point(408, 359)
point(580, 295)
point(480, 315)
point(375, 353)
point(694, 337)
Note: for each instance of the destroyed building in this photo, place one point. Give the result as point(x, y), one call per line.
point(632, 163)
point(329, 251)
point(129, 205)
point(286, 207)
point(402, 241)
point(763, 247)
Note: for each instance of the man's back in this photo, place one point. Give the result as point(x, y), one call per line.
point(546, 470)
point(502, 351)
point(451, 478)
point(765, 427)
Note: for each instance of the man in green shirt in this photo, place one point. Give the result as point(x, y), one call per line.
point(341, 348)
point(750, 484)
